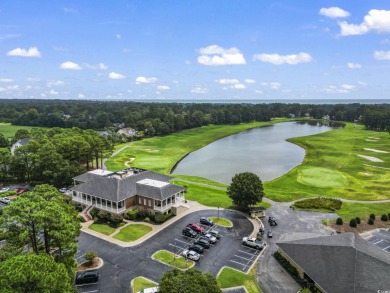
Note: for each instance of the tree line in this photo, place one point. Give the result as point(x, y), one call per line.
point(165, 118)
point(52, 156)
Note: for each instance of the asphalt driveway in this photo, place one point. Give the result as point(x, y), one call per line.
point(121, 264)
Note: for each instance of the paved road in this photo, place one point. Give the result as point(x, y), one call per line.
point(121, 265)
point(291, 223)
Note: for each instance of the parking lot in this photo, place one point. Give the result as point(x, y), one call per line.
point(240, 257)
point(380, 238)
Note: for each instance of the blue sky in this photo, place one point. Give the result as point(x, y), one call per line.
point(149, 49)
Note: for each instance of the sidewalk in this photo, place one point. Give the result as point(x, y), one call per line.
point(194, 206)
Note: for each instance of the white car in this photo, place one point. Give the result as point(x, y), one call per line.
point(5, 200)
point(211, 238)
point(63, 190)
point(4, 189)
point(150, 290)
point(190, 254)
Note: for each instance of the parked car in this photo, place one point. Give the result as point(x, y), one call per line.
point(269, 233)
point(190, 254)
point(21, 190)
point(206, 221)
point(63, 190)
point(197, 248)
point(87, 277)
point(273, 223)
point(189, 232)
point(196, 228)
point(270, 219)
point(5, 200)
point(212, 239)
point(253, 242)
point(203, 242)
point(150, 290)
point(4, 189)
point(215, 233)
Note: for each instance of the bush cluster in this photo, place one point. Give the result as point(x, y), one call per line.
point(113, 220)
point(339, 221)
point(353, 223)
point(142, 215)
point(372, 216)
point(324, 203)
point(90, 255)
point(8, 193)
point(358, 220)
point(286, 264)
point(384, 218)
point(370, 221)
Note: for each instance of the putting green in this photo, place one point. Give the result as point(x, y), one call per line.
point(321, 177)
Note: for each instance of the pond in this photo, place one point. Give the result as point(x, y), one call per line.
point(263, 151)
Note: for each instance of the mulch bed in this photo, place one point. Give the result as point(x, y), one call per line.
point(362, 227)
point(89, 264)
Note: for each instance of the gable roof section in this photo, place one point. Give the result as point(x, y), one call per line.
point(23, 141)
point(341, 263)
point(117, 189)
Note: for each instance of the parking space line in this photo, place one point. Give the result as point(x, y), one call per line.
point(247, 252)
point(176, 246)
point(244, 265)
point(386, 247)
point(254, 249)
point(91, 291)
point(249, 260)
point(80, 256)
point(182, 241)
point(375, 243)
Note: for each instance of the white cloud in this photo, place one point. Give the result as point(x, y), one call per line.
point(250, 81)
point(31, 52)
point(382, 55)
point(342, 89)
point(81, 96)
point(33, 79)
point(258, 91)
point(361, 83)
point(114, 75)
point(118, 36)
point(200, 90)
point(272, 85)
point(334, 12)
point(354, 65)
point(277, 59)
point(53, 93)
point(376, 21)
point(187, 62)
point(163, 87)
point(227, 81)
point(142, 79)
point(70, 65)
point(52, 83)
point(220, 56)
point(101, 66)
point(238, 86)
point(6, 80)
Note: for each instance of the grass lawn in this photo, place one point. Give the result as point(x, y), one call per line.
point(160, 154)
point(232, 278)
point(169, 259)
point(351, 210)
point(132, 232)
point(102, 228)
point(141, 283)
point(333, 168)
point(9, 130)
point(222, 222)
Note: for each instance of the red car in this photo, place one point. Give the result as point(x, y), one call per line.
point(196, 228)
point(21, 190)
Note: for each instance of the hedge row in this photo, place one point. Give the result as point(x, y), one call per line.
point(323, 203)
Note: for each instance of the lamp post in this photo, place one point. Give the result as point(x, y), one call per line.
point(218, 213)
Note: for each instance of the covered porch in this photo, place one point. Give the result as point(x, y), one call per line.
point(100, 203)
point(172, 201)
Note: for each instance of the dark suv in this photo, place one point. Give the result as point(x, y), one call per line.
point(203, 242)
point(206, 221)
point(87, 277)
point(189, 232)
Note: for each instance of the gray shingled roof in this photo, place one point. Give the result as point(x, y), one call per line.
point(24, 141)
point(341, 263)
point(116, 189)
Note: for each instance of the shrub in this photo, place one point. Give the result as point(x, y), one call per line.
point(116, 219)
point(161, 218)
point(352, 223)
point(384, 218)
point(323, 203)
point(90, 255)
point(358, 220)
point(141, 215)
point(94, 212)
point(147, 219)
point(370, 221)
point(286, 264)
point(131, 215)
point(339, 221)
point(103, 216)
point(388, 216)
point(67, 198)
point(372, 216)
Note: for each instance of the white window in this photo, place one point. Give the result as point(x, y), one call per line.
point(140, 200)
point(144, 201)
point(149, 203)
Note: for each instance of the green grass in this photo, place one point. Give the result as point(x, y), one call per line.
point(160, 154)
point(170, 259)
point(9, 130)
point(333, 168)
point(102, 228)
point(319, 203)
point(232, 278)
point(132, 232)
point(141, 283)
point(222, 222)
point(362, 210)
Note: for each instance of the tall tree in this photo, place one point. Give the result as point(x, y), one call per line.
point(34, 273)
point(4, 142)
point(245, 190)
point(5, 160)
point(20, 134)
point(189, 281)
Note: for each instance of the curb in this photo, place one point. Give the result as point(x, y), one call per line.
point(91, 269)
point(164, 263)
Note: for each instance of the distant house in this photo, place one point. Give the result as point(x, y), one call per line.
point(127, 131)
point(340, 263)
point(19, 143)
point(117, 192)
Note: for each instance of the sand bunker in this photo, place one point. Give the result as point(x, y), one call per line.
point(376, 151)
point(371, 140)
point(127, 163)
point(373, 137)
point(372, 159)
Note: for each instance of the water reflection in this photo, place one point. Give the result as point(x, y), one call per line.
point(263, 151)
